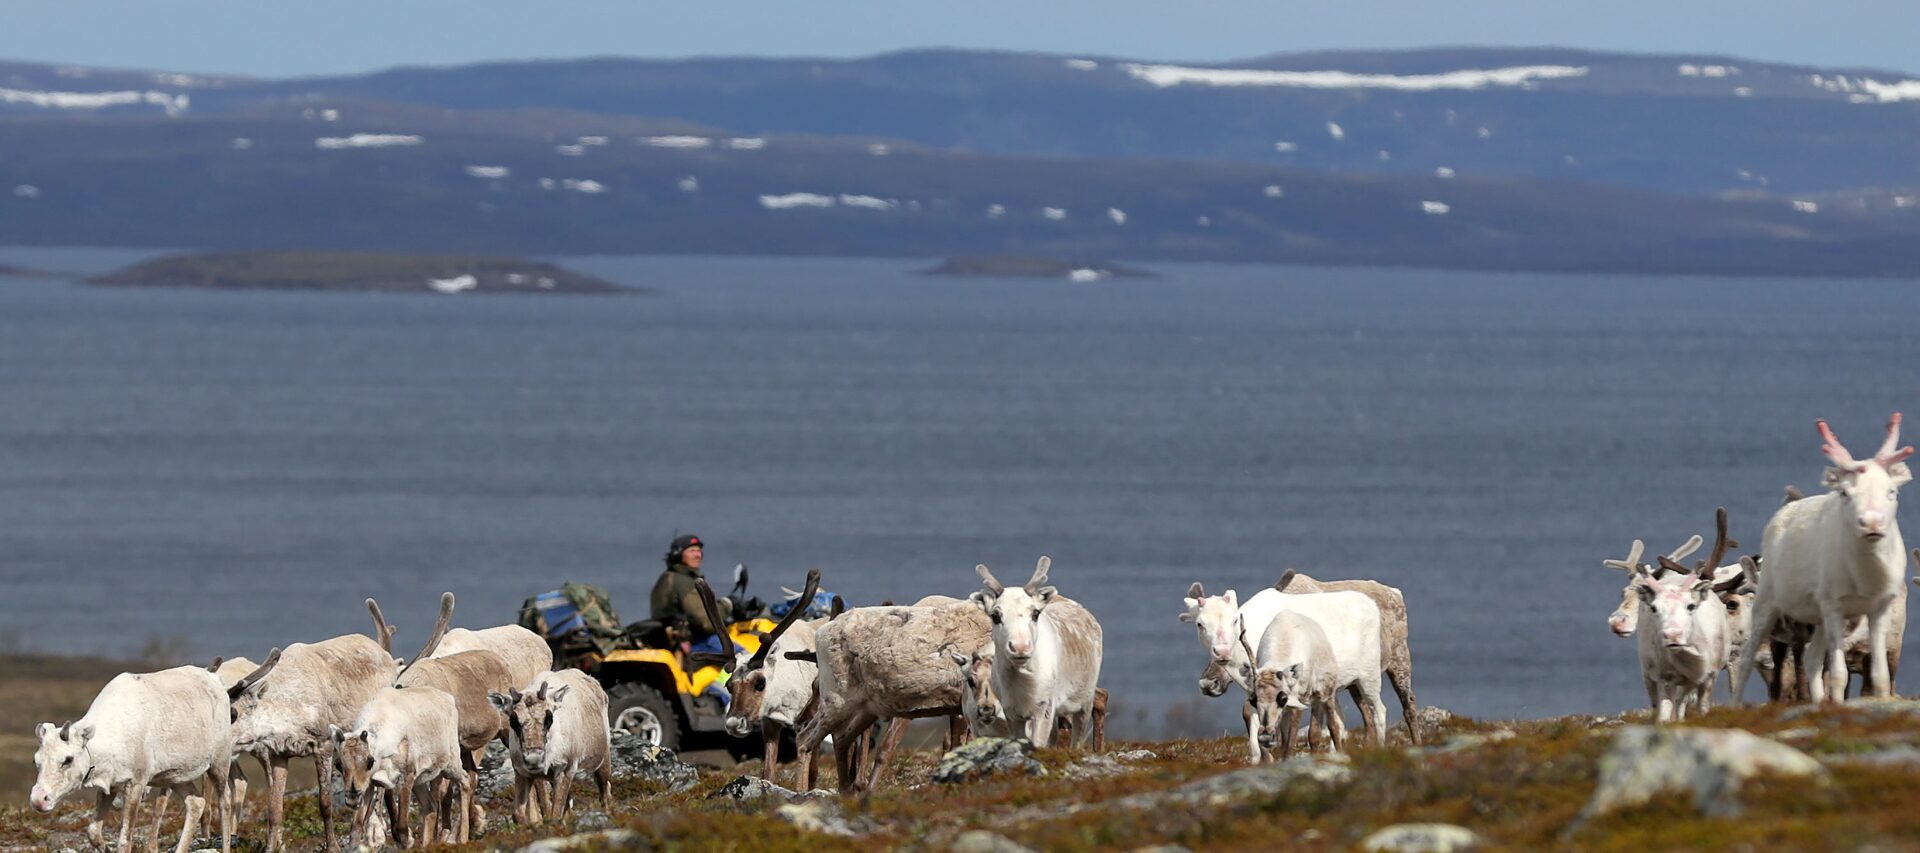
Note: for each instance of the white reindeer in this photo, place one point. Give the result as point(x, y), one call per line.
point(1350, 619)
point(1047, 651)
point(773, 692)
point(1683, 638)
point(884, 664)
point(1836, 556)
point(405, 741)
point(1732, 585)
point(1295, 671)
point(557, 728)
point(288, 709)
point(168, 730)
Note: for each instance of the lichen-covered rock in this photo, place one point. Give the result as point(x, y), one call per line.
point(1711, 764)
point(750, 788)
point(820, 816)
point(1109, 764)
point(1872, 707)
point(1421, 838)
point(1463, 742)
point(496, 772)
point(987, 756)
point(634, 758)
point(1264, 781)
point(601, 840)
point(982, 841)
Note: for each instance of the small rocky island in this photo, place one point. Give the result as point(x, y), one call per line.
point(358, 271)
point(1010, 266)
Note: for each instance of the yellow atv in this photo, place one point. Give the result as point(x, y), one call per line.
point(653, 691)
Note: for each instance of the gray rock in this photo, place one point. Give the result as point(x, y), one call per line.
point(585, 840)
point(1801, 733)
point(1896, 756)
point(987, 756)
point(1876, 708)
point(1711, 764)
point(1431, 717)
point(751, 788)
point(592, 820)
point(496, 772)
point(1421, 838)
point(634, 758)
point(982, 841)
point(1263, 781)
point(817, 816)
point(1462, 742)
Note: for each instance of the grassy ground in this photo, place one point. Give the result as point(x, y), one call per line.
point(1522, 793)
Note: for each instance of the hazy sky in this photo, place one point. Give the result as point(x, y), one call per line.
point(278, 38)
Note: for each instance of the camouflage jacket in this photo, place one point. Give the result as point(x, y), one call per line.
point(674, 597)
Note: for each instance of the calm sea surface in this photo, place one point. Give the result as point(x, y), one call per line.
point(241, 470)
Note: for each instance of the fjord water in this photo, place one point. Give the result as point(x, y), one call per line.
point(242, 469)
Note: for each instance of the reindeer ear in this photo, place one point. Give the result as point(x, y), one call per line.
point(364, 735)
point(1046, 594)
point(557, 694)
point(41, 731)
point(1898, 471)
point(1187, 615)
point(980, 598)
point(336, 733)
point(1833, 478)
point(1232, 599)
point(1196, 591)
point(958, 658)
point(81, 733)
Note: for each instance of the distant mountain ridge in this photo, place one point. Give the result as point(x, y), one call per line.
point(964, 153)
point(1668, 122)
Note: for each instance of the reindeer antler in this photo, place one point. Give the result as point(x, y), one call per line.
point(1890, 451)
point(1039, 578)
point(1835, 451)
point(382, 632)
point(986, 577)
point(793, 615)
point(1632, 562)
point(719, 627)
point(252, 678)
point(1720, 545)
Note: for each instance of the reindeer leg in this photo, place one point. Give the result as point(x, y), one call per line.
point(97, 827)
point(1401, 677)
point(770, 741)
point(1881, 684)
point(160, 801)
point(276, 802)
point(324, 765)
point(129, 811)
point(883, 757)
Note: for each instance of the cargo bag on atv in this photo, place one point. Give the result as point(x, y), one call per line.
point(575, 616)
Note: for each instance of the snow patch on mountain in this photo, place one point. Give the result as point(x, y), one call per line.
point(1435, 208)
point(171, 103)
point(793, 200)
point(1083, 65)
point(489, 172)
point(1177, 75)
point(868, 201)
point(746, 143)
point(369, 140)
point(676, 141)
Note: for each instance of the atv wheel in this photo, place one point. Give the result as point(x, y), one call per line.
point(642, 711)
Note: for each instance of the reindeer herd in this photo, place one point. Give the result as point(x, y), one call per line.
point(1824, 598)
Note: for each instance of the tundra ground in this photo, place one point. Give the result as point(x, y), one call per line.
point(1522, 791)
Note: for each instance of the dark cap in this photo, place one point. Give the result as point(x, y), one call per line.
point(685, 541)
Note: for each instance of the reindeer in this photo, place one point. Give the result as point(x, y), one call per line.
point(767, 687)
point(1047, 651)
point(1681, 658)
point(1835, 556)
point(886, 663)
point(558, 727)
point(167, 729)
point(1396, 656)
point(288, 708)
